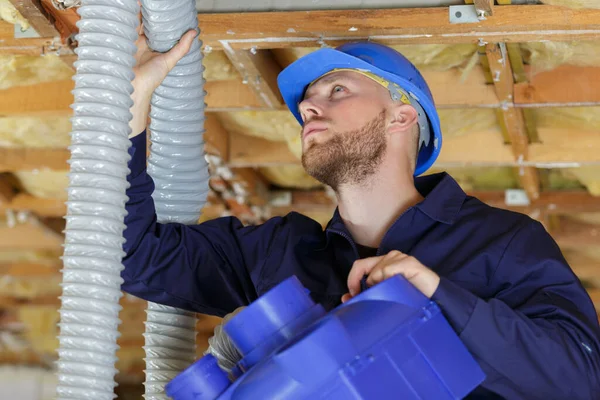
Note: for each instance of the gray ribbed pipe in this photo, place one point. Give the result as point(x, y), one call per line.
point(96, 199)
point(180, 174)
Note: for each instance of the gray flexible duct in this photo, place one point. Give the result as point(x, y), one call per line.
point(180, 173)
point(98, 181)
point(96, 199)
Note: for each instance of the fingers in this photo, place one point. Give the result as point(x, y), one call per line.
point(359, 269)
point(180, 49)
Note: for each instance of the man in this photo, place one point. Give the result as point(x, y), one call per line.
point(369, 127)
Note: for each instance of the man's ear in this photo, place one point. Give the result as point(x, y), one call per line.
point(402, 118)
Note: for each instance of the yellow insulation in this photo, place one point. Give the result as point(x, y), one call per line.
point(35, 132)
point(424, 56)
point(19, 70)
point(11, 15)
point(589, 176)
point(29, 70)
point(17, 256)
point(29, 288)
point(218, 67)
point(587, 118)
point(543, 56)
point(574, 3)
point(42, 326)
point(45, 184)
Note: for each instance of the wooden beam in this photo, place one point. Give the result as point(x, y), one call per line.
point(57, 98)
point(29, 158)
point(228, 95)
point(595, 297)
point(29, 236)
point(574, 234)
point(216, 137)
point(46, 98)
point(457, 151)
point(565, 84)
point(28, 270)
point(516, 23)
point(514, 121)
point(449, 88)
point(552, 203)
point(34, 13)
point(484, 8)
point(259, 70)
point(36, 205)
point(64, 20)
point(7, 190)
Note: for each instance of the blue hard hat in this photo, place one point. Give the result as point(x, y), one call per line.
point(378, 60)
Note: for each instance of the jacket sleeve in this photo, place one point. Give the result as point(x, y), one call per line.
point(538, 337)
point(210, 268)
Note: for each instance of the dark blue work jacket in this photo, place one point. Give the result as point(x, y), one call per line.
point(505, 287)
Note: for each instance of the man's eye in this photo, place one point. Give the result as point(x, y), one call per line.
point(337, 88)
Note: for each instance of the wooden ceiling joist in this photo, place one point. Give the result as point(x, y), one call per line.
point(554, 88)
point(36, 15)
point(513, 23)
point(259, 70)
point(514, 120)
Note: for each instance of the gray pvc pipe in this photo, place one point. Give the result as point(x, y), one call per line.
point(96, 199)
point(180, 173)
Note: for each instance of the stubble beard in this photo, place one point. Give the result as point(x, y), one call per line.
point(348, 158)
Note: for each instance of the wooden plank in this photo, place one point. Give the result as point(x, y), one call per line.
point(559, 202)
point(64, 20)
point(29, 236)
point(259, 70)
point(457, 151)
point(216, 138)
point(449, 88)
point(484, 7)
point(35, 14)
point(46, 98)
point(595, 297)
point(33, 47)
point(565, 84)
point(28, 270)
point(36, 205)
point(516, 23)
point(231, 94)
point(575, 234)
point(7, 190)
point(29, 158)
point(57, 98)
point(514, 121)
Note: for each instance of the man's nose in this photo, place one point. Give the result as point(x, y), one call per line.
point(310, 109)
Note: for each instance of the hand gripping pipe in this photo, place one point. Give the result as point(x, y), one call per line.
point(96, 193)
point(93, 247)
point(180, 174)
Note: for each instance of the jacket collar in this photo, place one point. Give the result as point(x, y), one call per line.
point(443, 199)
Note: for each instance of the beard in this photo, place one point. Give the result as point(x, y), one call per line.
point(348, 158)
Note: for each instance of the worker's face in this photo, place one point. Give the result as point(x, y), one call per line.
point(343, 137)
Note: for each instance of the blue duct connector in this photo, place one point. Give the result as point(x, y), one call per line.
point(389, 342)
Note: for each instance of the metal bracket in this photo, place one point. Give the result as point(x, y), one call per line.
point(463, 14)
point(516, 197)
